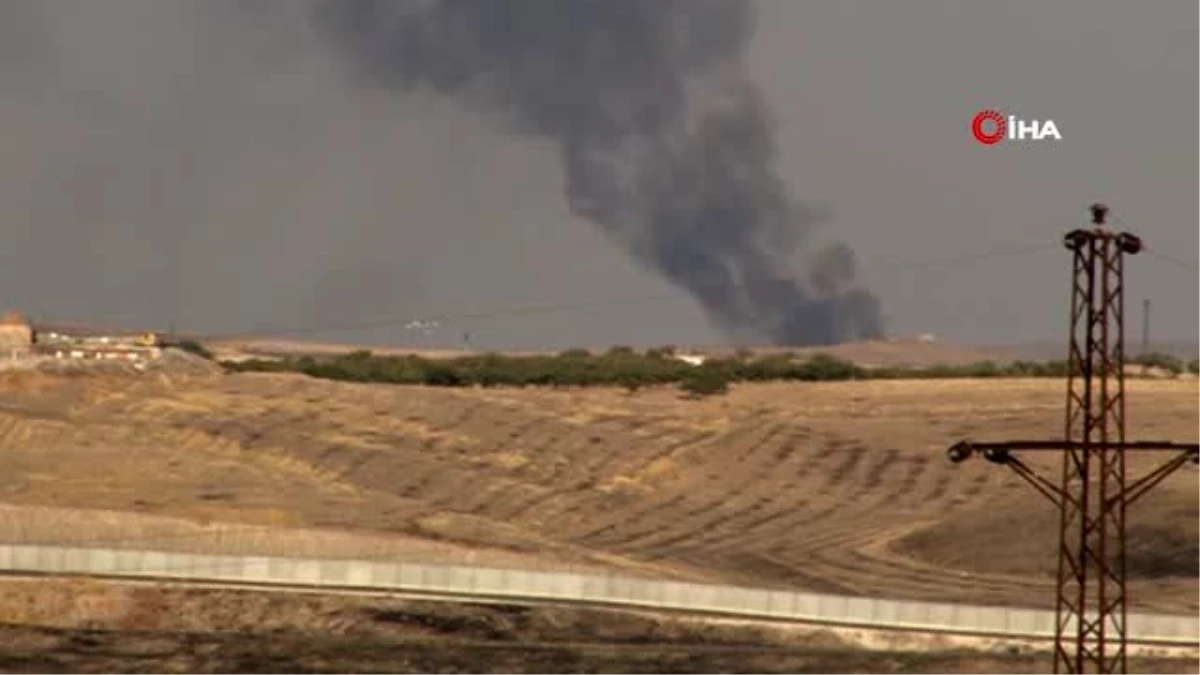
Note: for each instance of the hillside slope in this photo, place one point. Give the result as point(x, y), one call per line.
point(839, 487)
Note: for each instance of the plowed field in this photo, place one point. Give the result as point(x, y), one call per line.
point(839, 487)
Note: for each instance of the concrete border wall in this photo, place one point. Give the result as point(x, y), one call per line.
point(483, 582)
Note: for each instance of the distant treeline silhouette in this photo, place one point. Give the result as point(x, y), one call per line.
point(625, 367)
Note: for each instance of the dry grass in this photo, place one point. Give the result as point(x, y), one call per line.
point(839, 487)
point(122, 529)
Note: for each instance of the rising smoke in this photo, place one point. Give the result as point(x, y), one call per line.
point(237, 159)
point(664, 141)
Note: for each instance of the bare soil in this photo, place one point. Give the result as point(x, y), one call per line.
point(837, 487)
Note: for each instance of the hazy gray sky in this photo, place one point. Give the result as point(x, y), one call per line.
point(304, 200)
point(874, 100)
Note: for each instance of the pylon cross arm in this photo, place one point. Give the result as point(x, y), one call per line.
point(1144, 484)
point(1000, 452)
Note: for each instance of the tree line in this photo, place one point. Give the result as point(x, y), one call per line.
point(633, 370)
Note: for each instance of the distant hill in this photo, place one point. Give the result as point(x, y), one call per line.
point(1041, 351)
point(900, 351)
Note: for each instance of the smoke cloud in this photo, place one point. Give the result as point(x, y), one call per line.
point(664, 141)
point(237, 164)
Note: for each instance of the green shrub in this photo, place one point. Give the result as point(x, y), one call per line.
point(823, 367)
point(705, 381)
point(1162, 361)
point(193, 347)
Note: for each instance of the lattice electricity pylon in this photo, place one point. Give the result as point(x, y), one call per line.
point(1093, 494)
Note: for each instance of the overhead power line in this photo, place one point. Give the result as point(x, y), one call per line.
point(588, 305)
point(444, 318)
point(971, 257)
point(1178, 262)
point(1152, 252)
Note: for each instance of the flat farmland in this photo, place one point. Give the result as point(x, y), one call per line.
point(836, 487)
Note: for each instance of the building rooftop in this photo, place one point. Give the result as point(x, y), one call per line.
point(12, 319)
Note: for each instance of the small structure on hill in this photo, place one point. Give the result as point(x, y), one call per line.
point(91, 345)
point(16, 336)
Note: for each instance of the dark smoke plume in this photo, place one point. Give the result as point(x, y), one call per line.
point(665, 143)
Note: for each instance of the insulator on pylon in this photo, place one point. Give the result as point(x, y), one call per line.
point(1075, 239)
point(1099, 211)
point(996, 455)
point(1129, 243)
point(960, 451)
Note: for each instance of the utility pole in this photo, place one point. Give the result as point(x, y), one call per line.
point(1146, 326)
point(1092, 495)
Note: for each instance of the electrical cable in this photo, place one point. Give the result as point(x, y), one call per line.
point(1166, 257)
point(563, 307)
point(1152, 252)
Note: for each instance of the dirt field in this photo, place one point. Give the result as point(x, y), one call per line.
point(81, 626)
point(839, 487)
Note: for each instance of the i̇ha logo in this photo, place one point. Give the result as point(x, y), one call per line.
point(992, 126)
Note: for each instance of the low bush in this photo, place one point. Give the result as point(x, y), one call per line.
point(705, 381)
point(1161, 361)
point(192, 347)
